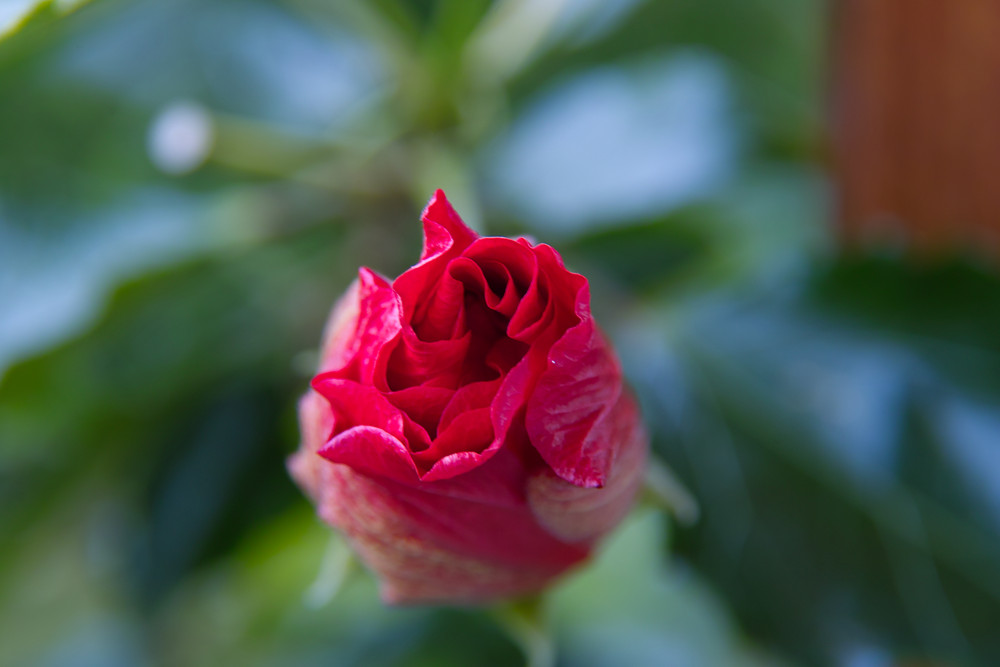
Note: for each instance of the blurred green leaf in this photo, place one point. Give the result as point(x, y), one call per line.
point(634, 607)
point(836, 418)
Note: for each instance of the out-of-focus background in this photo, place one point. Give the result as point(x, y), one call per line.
point(788, 210)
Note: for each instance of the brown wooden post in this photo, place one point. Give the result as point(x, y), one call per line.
point(916, 122)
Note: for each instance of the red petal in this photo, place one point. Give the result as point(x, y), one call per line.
point(576, 514)
point(472, 277)
point(316, 424)
point(507, 302)
point(518, 260)
point(567, 418)
point(472, 538)
point(442, 314)
point(415, 362)
point(443, 228)
point(456, 464)
point(423, 404)
point(470, 397)
point(469, 433)
point(371, 451)
point(338, 345)
point(353, 352)
point(445, 237)
point(354, 404)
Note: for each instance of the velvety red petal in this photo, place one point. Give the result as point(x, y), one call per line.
point(352, 351)
point(499, 482)
point(531, 318)
point(497, 274)
point(456, 464)
point(567, 289)
point(372, 451)
point(428, 544)
point(575, 513)
point(470, 397)
point(536, 314)
point(424, 404)
point(469, 433)
point(505, 354)
point(338, 347)
point(442, 314)
point(438, 363)
point(514, 390)
point(567, 414)
point(470, 275)
point(504, 533)
point(354, 404)
point(445, 237)
point(518, 260)
point(444, 229)
point(316, 426)
point(465, 435)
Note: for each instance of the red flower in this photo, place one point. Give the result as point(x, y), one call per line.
point(469, 430)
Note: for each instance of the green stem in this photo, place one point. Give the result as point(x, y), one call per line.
point(526, 623)
point(336, 568)
point(662, 489)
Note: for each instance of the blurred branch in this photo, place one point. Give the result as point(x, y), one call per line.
point(511, 35)
point(664, 490)
point(336, 569)
point(526, 623)
point(333, 164)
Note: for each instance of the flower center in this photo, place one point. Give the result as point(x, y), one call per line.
point(456, 339)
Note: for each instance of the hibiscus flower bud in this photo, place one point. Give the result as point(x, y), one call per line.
point(469, 430)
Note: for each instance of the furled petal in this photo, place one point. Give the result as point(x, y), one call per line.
point(518, 260)
point(467, 435)
point(567, 415)
point(338, 345)
point(577, 513)
point(470, 397)
point(354, 404)
point(442, 314)
point(369, 431)
point(496, 272)
point(494, 526)
point(460, 540)
point(456, 464)
point(444, 229)
point(515, 389)
point(445, 237)
point(415, 362)
point(373, 308)
point(316, 425)
point(372, 451)
point(424, 404)
point(497, 290)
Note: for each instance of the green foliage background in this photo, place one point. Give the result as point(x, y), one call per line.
point(836, 417)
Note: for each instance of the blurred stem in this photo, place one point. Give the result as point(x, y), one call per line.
point(511, 35)
point(259, 146)
point(526, 622)
point(341, 164)
point(336, 568)
point(662, 489)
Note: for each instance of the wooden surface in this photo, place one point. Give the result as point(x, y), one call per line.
point(916, 122)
